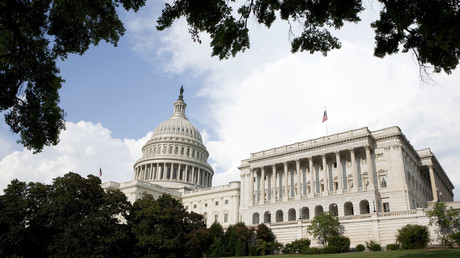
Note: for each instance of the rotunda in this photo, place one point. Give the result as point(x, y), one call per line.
point(175, 156)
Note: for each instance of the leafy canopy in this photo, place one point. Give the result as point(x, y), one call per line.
point(427, 28)
point(325, 226)
point(33, 35)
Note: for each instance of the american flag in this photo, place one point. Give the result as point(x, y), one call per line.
point(100, 172)
point(324, 116)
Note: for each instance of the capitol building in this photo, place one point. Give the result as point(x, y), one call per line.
point(374, 181)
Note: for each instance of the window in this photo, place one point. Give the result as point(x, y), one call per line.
point(226, 201)
point(383, 181)
point(194, 206)
point(226, 217)
point(380, 156)
point(205, 205)
point(386, 207)
point(216, 217)
point(217, 203)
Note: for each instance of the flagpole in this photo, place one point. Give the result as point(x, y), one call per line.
point(325, 120)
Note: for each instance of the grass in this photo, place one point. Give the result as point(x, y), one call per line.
point(424, 253)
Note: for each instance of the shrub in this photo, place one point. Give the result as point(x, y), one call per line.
point(313, 250)
point(360, 248)
point(455, 238)
point(413, 236)
point(297, 247)
point(342, 243)
point(370, 243)
point(376, 247)
point(330, 250)
point(393, 247)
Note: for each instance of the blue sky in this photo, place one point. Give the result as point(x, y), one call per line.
point(265, 97)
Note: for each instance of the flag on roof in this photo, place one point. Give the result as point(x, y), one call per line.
point(324, 116)
point(100, 172)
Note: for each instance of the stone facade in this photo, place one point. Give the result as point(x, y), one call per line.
point(374, 181)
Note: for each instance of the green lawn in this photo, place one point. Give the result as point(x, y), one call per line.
point(427, 253)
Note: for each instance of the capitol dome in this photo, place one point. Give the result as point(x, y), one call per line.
point(175, 156)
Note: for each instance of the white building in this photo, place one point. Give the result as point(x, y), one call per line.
point(374, 181)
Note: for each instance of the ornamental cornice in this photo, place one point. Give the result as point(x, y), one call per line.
point(309, 148)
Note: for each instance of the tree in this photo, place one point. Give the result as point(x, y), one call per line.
point(447, 220)
point(427, 28)
point(325, 226)
point(236, 240)
point(72, 217)
point(413, 236)
point(163, 227)
point(33, 35)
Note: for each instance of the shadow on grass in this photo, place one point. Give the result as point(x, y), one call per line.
point(445, 253)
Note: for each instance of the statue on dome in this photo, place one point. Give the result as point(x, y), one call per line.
point(181, 92)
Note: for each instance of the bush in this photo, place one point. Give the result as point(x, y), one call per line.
point(455, 237)
point(360, 248)
point(330, 250)
point(413, 236)
point(393, 247)
point(313, 250)
point(376, 247)
point(342, 243)
point(297, 247)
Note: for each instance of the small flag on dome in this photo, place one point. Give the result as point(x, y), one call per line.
point(100, 172)
point(324, 116)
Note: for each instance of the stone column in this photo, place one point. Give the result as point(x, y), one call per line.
point(339, 172)
point(199, 176)
point(370, 170)
point(434, 189)
point(192, 177)
point(312, 176)
point(326, 177)
point(286, 186)
point(355, 171)
point(273, 186)
point(262, 185)
point(299, 184)
point(251, 186)
point(186, 173)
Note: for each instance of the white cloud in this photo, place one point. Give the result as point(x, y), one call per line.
point(267, 97)
point(84, 148)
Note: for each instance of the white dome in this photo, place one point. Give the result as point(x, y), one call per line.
point(175, 156)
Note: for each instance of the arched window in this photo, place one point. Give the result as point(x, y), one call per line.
point(318, 210)
point(255, 218)
point(305, 213)
point(333, 209)
point(291, 215)
point(267, 217)
point(348, 208)
point(279, 216)
point(170, 149)
point(364, 207)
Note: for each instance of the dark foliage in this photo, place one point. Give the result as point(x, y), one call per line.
point(413, 236)
point(376, 247)
point(299, 246)
point(330, 249)
point(72, 217)
point(427, 28)
point(342, 243)
point(392, 247)
point(33, 35)
point(360, 248)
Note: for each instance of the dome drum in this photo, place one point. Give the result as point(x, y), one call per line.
point(175, 156)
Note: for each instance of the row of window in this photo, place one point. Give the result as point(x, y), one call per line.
point(304, 213)
point(176, 149)
point(216, 203)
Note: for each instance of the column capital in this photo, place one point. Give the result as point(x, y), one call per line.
point(352, 150)
point(337, 152)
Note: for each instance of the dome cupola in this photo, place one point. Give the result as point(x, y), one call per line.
point(175, 156)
